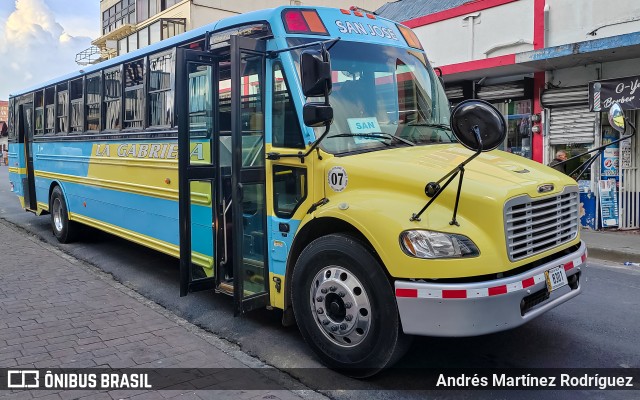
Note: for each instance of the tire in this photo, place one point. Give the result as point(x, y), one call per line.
point(64, 230)
point(345, 306)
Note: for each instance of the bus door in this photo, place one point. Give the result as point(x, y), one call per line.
point(250, 267)
point(197, 168)
point(25, 135)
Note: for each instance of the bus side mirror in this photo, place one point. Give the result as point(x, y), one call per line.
point(616, 118)
point(317, 114)
point(478, 125)
point(315, 71)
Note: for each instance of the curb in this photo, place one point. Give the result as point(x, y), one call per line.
point(612, 255)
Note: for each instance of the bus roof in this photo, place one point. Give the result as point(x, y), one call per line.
point(346, 26)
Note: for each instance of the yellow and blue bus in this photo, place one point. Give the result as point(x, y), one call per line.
point(282, 156)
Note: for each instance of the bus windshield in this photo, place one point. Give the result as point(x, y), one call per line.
point(383, 97)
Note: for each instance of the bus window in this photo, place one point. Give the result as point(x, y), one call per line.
point(93, 103)
point(76, 95)
point(285, 126)
point(39, 112)
point(161, 90)
point(289, 189)
point(49, 105)
point(134, 94)
point(62, 108)
point(112, 96)
point(252, 112)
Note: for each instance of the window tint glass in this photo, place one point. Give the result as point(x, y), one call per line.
point(134, 94)
point(93, 103)
point(112, 95)
point(161, 71)
point(285, 128)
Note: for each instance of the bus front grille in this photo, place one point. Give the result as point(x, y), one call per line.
point(536, 225)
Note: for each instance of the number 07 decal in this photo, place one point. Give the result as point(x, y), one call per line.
point(337, 179)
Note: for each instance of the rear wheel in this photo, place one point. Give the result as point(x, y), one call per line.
point(345, 306)
point(63, 229)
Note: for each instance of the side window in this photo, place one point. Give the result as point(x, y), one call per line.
point(161, 90)
point(76, 94)
point(289, 189)
point(112, 96)
point(93, 103)
point(12, 129)
point(62, 105)
point(39, 106)
point(134, 94)
point(50, 109)
point(286, 127)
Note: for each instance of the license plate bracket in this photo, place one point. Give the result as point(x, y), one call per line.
point(555, 278)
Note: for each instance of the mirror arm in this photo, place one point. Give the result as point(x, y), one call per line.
point(434, 190)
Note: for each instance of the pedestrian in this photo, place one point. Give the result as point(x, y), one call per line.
point(558, 162)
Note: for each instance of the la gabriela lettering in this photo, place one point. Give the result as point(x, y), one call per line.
point(166, 151)
point(359, 28)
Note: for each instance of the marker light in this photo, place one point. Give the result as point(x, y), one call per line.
point(303, 21)
point(410, 37)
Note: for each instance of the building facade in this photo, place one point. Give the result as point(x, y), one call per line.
point(536, 61)
point(127, 25)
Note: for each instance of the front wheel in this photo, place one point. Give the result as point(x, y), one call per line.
point(63, 229)
point(345, 306)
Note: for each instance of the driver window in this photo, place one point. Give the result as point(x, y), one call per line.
point(285, 125)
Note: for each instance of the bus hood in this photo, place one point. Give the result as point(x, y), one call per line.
point(496, 174)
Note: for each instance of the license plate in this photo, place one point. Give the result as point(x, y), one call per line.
point(556, 278)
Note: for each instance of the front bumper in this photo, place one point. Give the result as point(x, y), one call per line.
point(470, 309)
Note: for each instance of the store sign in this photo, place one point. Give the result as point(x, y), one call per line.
point(624, 91)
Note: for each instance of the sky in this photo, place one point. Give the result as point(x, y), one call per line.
point(39, 39)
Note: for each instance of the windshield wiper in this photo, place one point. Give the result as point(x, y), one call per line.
point(431, 125)
point(375, 135)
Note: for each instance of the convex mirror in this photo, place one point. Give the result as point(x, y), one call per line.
point(616, 118)
point(490, 123)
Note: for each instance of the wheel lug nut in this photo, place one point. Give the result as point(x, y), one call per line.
point(319, 298)
point(348, 317)
point(320, 311)
point(333, 288)
point(325, 322)
point(347, 305)
point(343, 326)
point(334, 328)
point(323, 290)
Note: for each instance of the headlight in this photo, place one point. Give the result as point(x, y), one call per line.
point(429, 244)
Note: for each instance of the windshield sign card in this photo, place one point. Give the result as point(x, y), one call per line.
point(364, 125)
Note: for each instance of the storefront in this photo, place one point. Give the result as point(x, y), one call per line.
point(576, 120)
point(513, 99)
point(618, 181)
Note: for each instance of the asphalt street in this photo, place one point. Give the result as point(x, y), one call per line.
point(598, 329)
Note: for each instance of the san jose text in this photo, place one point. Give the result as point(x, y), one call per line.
point(563, 380)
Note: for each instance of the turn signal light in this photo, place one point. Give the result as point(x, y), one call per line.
point(410, 37)
point(303, 21)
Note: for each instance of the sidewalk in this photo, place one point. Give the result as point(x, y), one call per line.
point(57, 312)
point(616, 246)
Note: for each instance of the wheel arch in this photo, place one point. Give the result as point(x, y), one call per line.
point(311, 231)
point(64, 194)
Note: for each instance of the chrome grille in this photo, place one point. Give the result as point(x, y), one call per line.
point(536, 225)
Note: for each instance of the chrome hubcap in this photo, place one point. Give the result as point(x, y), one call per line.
point(341, 306)
point(57, 214)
